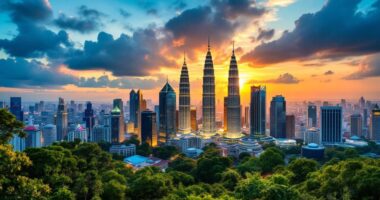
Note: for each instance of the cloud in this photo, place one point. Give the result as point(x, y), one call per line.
point(329, 73)
point(284, 79)
point(178, 5)
point(136, 55)
point(124, 13)
point(27, 10)
point(152, 11)
point(123, 82)
point(265, 34)
point(219, 20)
point(28, 74)
point(88, 20)
point(280, 3)
point(337, 30)
point(369, 67)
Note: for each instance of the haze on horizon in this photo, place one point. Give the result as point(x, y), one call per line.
point(86, 50)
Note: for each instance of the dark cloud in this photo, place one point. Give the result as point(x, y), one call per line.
point(265, 34)
point(314, 64)
point(178, 5)
point(35, 41)
point(25, 74)
point(329, 73)
point(136, 55)
point(123, 82)
point(218, 20)
point(337, 30)
point(124, 13)
point(284, 79)
point(88, 20)
point(152, 11)
point(27, 10)
point(368, 68)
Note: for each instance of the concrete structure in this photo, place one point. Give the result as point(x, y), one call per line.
point(290, 126)
point(312, 135)
point(313, 150)
point(49, 134)
point(62, 122)
point(16, 108)
point(101, 133)
point(312, 115)
point(139, 162)
point(89, 120)
point(80, 133)
point(167, 110)
point(33, 136)
point(356, 123)
point(375, 124)
point(123, 150)
point(193, 116)
point(208, 96)
point(149, 128)
point(117, 126)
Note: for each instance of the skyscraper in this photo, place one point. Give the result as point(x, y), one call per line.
point(61, 120)
point(208, 96)
point(193, 116)
point(16, 108)
point(225, 113)
point(33, 136)
point(312, 115)
point(141, 106)
point(246, 117)
point(290, 126)
point(133, 104)
point(278, 117)
point(184, 121)
point(331, 124)
point(356, 125)
point(233, 105)
point(148, 128)
point(375, 123)
point(89, 119)
point(117, 126)
point(257, 111)
point(119, 103)
point(49, 134)
point(167, 110)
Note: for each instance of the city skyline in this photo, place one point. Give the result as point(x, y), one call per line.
point(62, 67)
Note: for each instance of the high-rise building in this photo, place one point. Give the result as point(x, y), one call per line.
point(225, 113)
point(140, 106)
point(246, 117)
point(193, 116)
point(278, 117)
point(117, 126)
point(167, 103)
point(375, 123)
point(16, 108)
point(89, 119)
point(33, 136)
point(312, 135)
point(133, 105)
point(257, 111)
point(101, 133)
point(208, 96)
point(362, 102)
point(62, 122)
point(290, 126)
point(148, 128)
point(49, 134)
point(312, 115)
point(356, 125)
point(233, 105)
point(365, 122)
point(79, 132)
point(119, 103)
point(2, 104)
point(331, 124)
point(184, 121)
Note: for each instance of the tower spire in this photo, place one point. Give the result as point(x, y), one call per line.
point(208, 43)
point(184, 57)
point(233, 47)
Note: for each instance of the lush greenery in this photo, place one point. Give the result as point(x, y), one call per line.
point(85, 171)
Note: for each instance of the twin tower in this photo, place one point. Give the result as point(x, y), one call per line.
point(208, 99)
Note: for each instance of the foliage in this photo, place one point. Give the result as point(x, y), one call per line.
point(9, 126)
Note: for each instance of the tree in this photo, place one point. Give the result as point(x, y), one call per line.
point(271, 158)
point(250, 188)
point(249, 166)
point(182, 164)
point(114, 190)
point(63, 194)
point(230, 179)
point(301, 168)
point(244, 155)
point(150, 186)
point(9, 126)
point(144, 149)
point(165, 152)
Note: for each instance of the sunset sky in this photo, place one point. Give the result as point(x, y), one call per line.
point(99, 50)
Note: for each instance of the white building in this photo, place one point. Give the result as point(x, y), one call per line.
point(123, 150)
point(313, 135)
point(78, 133)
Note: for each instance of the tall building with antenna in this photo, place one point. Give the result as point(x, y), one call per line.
point(208, 96)
point(184, 100)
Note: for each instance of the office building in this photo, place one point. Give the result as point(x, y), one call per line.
point(79, 133)
point(356, 123)
point(375, 124)
point(184, 120)
point(133, 106)
point(62, 121)
point(49, 134)
point(101, 133)
point(278, 117)
point(89, 120)
point(33, 136)
point(167, 110)
point(208, 96)
point(225, 113)
point(123, 150)
point(257, 111)
point(312, 115)
point(290, 126)
point(312, 135)
point(16, 108)
point(246, 117)
point(331, 124)
point(149, 128)
point(193, 117)
point(117, 126)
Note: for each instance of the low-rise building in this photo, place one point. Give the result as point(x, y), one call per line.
point(123, 150)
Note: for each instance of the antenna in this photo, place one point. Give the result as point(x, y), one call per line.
point(208, 43)
point(184, 57)
point(233, 46)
